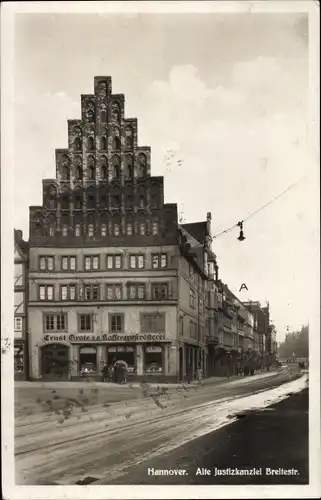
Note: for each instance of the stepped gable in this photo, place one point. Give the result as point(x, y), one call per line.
point(103, 192)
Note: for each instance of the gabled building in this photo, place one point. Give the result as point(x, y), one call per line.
point(113, 276)
point(21, 359)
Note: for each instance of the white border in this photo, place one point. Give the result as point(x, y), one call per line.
point(12, 492)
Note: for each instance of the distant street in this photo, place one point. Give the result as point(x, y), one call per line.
point(187, 428)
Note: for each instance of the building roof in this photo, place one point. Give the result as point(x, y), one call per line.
point(197, 229)
point(19, 241)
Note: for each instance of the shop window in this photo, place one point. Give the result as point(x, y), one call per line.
point(18, 359)
point(46, 263)
point(124, 353)
point(153, 359)
point(18, 324)
point(160, 291)
point(85, 322)
point(68, 263)
point(88, 360)
point(114, 261)
point(92, 292)
point(116, 323)
point(46, 292)
point(136, 291)
point(91, 263)
point(152, 322)
point(159, 260)
point(55, 322)
point(136, 261)
point(113, 292)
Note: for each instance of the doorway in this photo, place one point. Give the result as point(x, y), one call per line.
point(55, 361)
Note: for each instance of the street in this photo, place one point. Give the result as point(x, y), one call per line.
point(116, 443)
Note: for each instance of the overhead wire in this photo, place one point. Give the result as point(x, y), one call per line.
point(225, 231)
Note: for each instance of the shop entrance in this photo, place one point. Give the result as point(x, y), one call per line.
point(55, 361)
point(122, 353)
point(88, 360)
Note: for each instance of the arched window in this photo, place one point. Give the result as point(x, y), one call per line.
point(64, 199)
point(52, 197)
point(129, 201)
point(90, 144)
point(91, 230)
point(129, 170)
point(78, 200)
point(77, 144)
point(103, 143)
point(116, 143)
point(103, 113)
point(116, 200)
point(92, 173)
point(103, 229)
point(115, 110)
point(142, 201)
point(91, 200)
point(155, 227)
point(129, 137)
point(77, 229)
point(129, 229)
point(142, 229)
point(78, 173)
point(154, 200)
point(103, 197)
point(50, 225)
point(65, 174)
point(104, 173)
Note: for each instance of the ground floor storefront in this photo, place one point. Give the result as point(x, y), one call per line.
point(20, 360)
point(154, 361)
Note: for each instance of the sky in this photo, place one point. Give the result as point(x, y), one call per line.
point(228, 93)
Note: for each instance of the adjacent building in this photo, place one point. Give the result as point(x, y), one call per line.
point(20, 306)
point(112, 275)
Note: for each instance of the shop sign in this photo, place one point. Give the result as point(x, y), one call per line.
point(153, 349)
point(113, 337)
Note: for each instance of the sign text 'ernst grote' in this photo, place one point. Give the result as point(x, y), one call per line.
point(114, 337)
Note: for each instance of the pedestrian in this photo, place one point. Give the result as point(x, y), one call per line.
point(105, 372)
point(199, 373)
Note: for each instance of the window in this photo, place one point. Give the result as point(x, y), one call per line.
point(192, 298)
point(136, 261)
point(116, 230)
point(201, 305)
point(113, 292)
point(114, 261)
point(91, 262)
point(193, 329)
point(52, 230)
point(142, 201)
point(154, 322)
point(136, 291)
point(68, 263)
point(55, 322)
point(46, 292)
point(90, 230)
point(85, 322)
point(77, 229)
point(160, 291)
point(155, 228)
point(46, 263)
point(65, 230)
point(153, 359)
point(68, 292)
point(92, 292)
point(104, 229)
point(18, 324)
point(142, 229)
point(129, 229)
point(159, 260)
point(116, 323)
